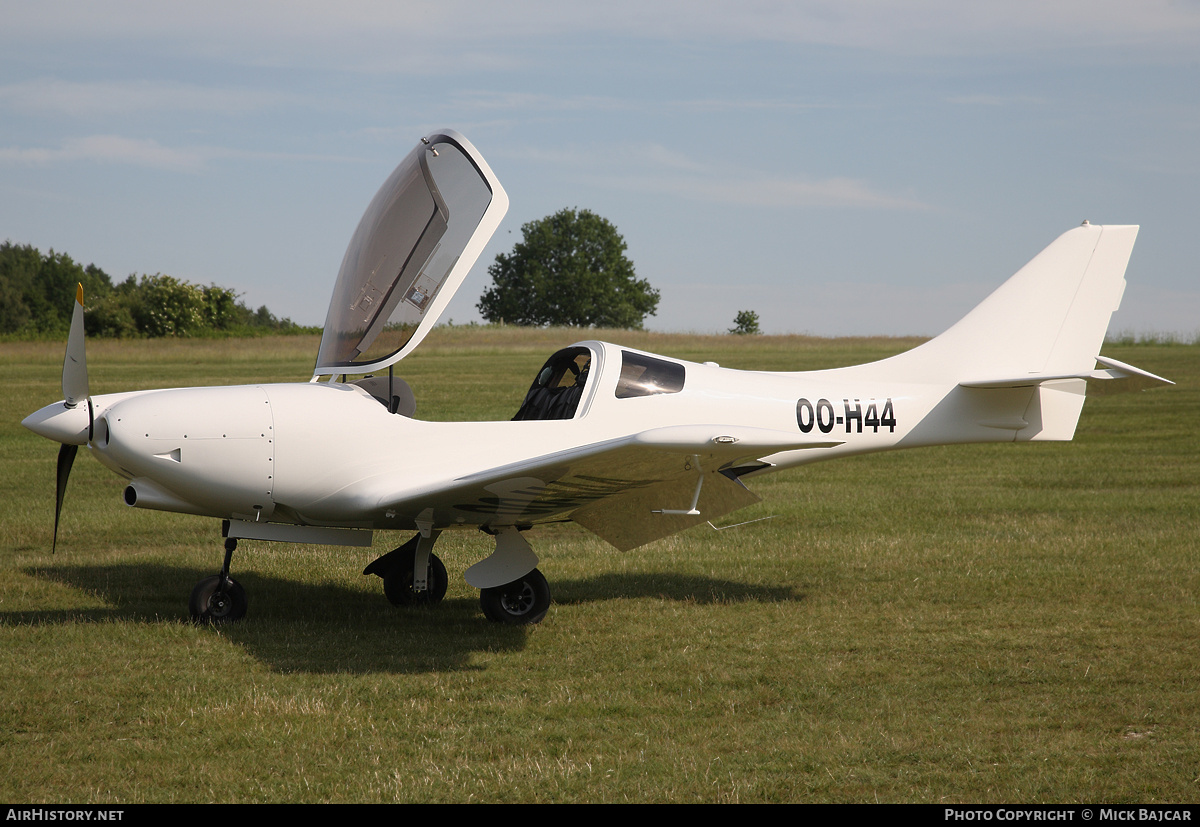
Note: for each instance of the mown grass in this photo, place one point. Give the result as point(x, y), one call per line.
point(963, 624)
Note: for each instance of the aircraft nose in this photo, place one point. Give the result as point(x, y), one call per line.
point(60, 423)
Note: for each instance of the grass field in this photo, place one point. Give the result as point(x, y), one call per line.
point(985, 624)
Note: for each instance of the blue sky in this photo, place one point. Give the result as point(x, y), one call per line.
point(839, 167)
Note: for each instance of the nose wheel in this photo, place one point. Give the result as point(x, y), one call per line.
point(220, 598)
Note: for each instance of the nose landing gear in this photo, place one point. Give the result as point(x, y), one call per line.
point(220, 598)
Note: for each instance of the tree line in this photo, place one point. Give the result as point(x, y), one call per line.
point(568, 269)
point(37, 294)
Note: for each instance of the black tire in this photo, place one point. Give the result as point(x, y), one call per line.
point(213, 601)
point(398, 582)
point(522, 602)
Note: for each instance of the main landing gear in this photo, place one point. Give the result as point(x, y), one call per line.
point(511, 589)
point(398, 569)
point(220, 598)
point(523, 601)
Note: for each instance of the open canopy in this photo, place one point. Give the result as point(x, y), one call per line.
point(413, 247)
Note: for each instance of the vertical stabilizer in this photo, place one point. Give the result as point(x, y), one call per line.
point(1049, 319)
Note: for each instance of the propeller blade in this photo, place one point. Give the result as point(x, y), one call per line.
point(66, 458)
point(75, 378)
point(75, 390)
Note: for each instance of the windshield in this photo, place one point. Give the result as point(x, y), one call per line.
point(409, 254)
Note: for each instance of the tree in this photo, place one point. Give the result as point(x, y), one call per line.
point(37, 291)
point(745, 322)
point(168, 306)
point(569, 269)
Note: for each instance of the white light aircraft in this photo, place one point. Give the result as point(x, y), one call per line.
point(630, 445)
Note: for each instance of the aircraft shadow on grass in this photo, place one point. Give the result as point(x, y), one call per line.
point(324, 627)
point(684, 588)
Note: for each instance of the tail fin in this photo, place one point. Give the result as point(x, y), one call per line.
point(1023, 358)
point(1048, 320)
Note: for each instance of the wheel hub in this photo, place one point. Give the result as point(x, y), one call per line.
point(218, 604)
point(518, 601)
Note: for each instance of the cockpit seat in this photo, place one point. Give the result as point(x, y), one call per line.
point(559, 386)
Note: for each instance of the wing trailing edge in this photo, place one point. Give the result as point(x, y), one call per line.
point(629, 490)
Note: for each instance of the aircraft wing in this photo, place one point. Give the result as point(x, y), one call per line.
point(629, 491)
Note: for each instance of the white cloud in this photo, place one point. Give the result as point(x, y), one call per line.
point(761, 191)
point(509, 101)
point(654, 168)
point(996, 100)
point(115, 97)
point(142, 152)
point(434, 35)
point(109, 149)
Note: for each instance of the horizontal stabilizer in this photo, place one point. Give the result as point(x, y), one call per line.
point(1028, 381)
point(1114, 377)
point(1118, 377)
